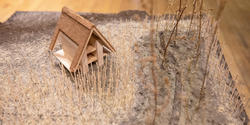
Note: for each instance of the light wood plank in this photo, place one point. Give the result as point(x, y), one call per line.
point(84, 63)
point(99, 53)
point(92, 58)
point(90, 49)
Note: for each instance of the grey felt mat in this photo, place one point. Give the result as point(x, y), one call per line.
point(26, 36)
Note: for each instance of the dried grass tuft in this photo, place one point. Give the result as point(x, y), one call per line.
point(55, 96)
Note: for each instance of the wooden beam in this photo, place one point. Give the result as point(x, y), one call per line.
point(54, 38)
point(84, 63)
point(90, 49)
point(99, 53)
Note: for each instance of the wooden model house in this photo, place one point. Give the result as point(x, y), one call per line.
point(82, 43)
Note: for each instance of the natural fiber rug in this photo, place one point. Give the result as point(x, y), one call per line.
point(24, 42)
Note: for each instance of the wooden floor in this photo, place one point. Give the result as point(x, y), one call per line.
point(8, 7)
point(234, 28)
point(234, 36)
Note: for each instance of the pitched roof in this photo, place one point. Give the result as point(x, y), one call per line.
point(79, 31)
point(77, 17)
point(89, 26)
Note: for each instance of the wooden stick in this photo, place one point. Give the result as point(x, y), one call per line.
point(99, 50)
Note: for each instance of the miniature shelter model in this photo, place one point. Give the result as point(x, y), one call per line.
point(82, 43)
